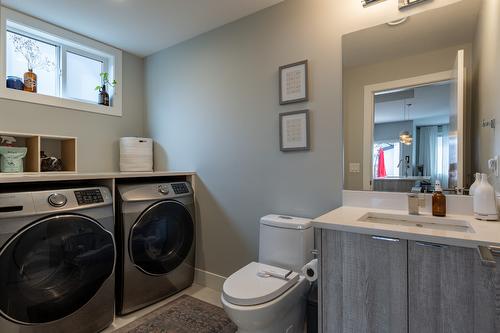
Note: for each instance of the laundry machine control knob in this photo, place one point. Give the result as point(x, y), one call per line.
point(57, 200)
point(163, 189)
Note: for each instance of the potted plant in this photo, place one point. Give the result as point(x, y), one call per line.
point(103, 94)
point(29, 49)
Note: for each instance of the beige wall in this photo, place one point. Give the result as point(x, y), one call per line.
point(212, 106)
point(486, 97)
point(356, 78)
point(97, 134)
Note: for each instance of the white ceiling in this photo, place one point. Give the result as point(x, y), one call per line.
point(430, 102)
point(141, 27)
point(434, 29)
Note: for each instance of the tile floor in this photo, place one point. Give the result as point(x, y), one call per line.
point(203, 293)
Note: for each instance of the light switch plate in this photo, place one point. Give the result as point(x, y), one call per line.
point(354, 167)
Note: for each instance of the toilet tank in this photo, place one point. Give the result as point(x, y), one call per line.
point(285, 241)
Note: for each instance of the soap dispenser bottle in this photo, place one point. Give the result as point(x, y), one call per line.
point(484, 201)
point(476, 183)
point(438, 201)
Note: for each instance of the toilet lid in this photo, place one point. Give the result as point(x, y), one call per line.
point(246, 287)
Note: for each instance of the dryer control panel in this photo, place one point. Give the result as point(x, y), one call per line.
point(180, 188)
point(87, 197)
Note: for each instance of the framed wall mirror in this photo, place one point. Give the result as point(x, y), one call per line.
point(412, 99)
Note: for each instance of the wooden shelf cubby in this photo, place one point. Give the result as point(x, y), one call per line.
point(63, 147)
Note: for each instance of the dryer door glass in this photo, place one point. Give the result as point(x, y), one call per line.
point(161, 238)
point(53, 267)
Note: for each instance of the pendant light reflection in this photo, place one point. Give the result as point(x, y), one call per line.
point(405, 137)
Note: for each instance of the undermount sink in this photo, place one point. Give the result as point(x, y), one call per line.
point(427, 222)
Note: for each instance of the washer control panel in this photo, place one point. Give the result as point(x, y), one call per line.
point(87, 197)
point(180, 188)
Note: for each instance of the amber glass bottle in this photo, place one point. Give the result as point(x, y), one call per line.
point(438, 201)
point(103, 96)
point(30, 81)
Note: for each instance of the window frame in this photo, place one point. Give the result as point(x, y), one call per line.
point(67, 41)
point(64, 50)
point(43, 40)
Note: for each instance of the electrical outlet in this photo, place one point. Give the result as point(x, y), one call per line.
point(493, 165)
point(354, 167)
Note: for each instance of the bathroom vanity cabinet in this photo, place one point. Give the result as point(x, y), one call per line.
point(379, 284)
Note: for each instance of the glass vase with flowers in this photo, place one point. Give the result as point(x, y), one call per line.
point(31, 52)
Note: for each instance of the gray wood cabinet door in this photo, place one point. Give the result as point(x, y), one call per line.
point(450, 290)
point(364, 283)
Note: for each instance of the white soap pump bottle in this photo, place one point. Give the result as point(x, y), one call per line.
point(484, 201)
point(476, 183)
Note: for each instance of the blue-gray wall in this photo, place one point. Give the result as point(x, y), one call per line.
point(212, 106)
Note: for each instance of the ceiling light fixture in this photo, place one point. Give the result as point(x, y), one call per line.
point(404, 136)
point(397, 22)
point(407, 3)
point(368, 2)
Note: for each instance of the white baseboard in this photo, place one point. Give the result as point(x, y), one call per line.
point(208, 279)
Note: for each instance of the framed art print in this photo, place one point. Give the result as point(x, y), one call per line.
point(294, 83)
point(294, 130)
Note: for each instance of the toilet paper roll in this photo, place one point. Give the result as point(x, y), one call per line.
point(310, 270)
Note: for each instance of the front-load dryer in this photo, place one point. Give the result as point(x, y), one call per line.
point(156, 244)
point(57, 259)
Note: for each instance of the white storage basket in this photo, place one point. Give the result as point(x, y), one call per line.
point(136, 154)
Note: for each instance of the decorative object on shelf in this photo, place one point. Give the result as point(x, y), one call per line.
point(136, 154)
point(31, 52)
point(41, 148)
point(368, 2)
point(14, 82)
point(103, 94)
point(293, 83)
point(407, 3)
point(50, 163)
point(294, 131)
point(11, 158)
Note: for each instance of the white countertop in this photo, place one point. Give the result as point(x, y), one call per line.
point(346, 218)
point(61, 176)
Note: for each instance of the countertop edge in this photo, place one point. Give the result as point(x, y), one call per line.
point(328, 223)
point(403, 235)
point(62, 176)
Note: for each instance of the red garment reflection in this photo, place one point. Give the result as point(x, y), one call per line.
point(381, 172)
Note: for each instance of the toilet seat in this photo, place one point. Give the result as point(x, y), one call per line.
point(246, 287)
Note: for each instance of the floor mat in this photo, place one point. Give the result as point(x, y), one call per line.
point(183, 315)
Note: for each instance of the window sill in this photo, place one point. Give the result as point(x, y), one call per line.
point(24, 96)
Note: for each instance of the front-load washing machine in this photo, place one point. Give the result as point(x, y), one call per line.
point(57, 259)
point(156, 244)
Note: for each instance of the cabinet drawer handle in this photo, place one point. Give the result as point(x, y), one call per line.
point(387, 239)
point(433, 245)
point(495, 250)
point(486, 256)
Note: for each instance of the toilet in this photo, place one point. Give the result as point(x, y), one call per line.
point(258, 297)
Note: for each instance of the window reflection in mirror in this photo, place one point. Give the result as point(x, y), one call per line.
point(411, 146)
point(409, 89)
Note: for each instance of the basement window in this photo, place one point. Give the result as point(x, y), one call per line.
point(68, 66)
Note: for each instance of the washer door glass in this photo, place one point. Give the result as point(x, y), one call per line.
point(161, 238)
point(53, 267)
